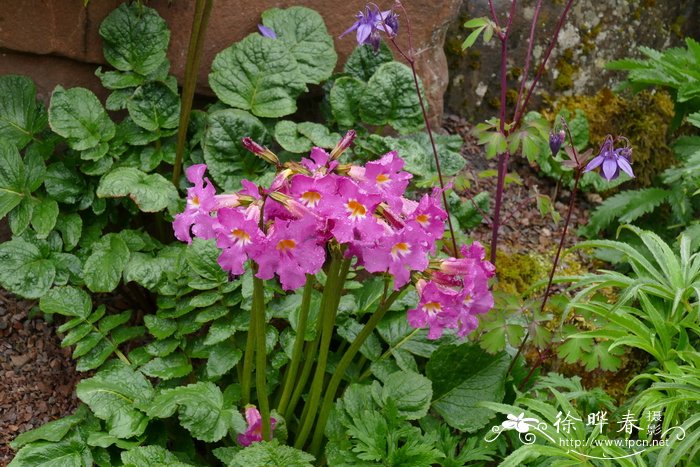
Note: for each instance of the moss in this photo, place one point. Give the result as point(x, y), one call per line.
point(511, 97)
point(643, 119)
point(588, 38)
point(676, 27)
point(565, 78)
point(516, 272)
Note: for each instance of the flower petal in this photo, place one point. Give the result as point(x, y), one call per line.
point(624, 164)
point(595, 162)
point(610, 169)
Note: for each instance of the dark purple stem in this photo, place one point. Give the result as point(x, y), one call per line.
point(528, 57)
point(412, 63)
point(548, 290)
point(519, 115)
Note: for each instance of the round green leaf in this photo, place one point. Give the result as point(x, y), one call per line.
point(103, 268)
point(44, 217)
point(258, 74)
point(67, 301)
point(345, 100)
point(363, 62)
point(227, 160)
point(154, 106)
point(63, 184)
point(77, 115)
point(151, 193)
point(411, 392)
point(25, 270)
point(390, 98)
point(135, 38)
point(287, 135)
point(304, 33)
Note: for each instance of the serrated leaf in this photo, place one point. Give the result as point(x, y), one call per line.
point(271, 454)
point(151, 193)
point(222, 357)
point(364, 61)
point(44, 216)
point(625, 206)
point(304, 33)
point(77, 115)
point(287, 135)
point(173, 366)
point(462, 376)
point(202, 257)
point(227, 160)
point(257, 74)
point(135, 38)
point(390, 98)
point(67, 453)
point(53, 431)
point(150, 456)
point(201, 410)
point(345, 99)
point(64, 184)
point(25, 270)
point(161, 328)
point(70, 225)
point(411, 391)
point(154, 106)
point(103, 268)
point(115, 395)
point(20, 115)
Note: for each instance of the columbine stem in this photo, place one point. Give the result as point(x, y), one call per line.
point(291, 374)
point(329, 306)
point(345, 361)
point(555, 264)
point(258, 314)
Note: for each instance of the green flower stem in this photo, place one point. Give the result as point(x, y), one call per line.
point(339, 372)
point(329, 306)
point(293, 368)
point(309, 357)
point(248, 362)
point(202, 12)
point(258, 314)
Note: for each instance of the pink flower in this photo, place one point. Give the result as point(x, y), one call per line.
point(384, 177)
point(236, 235)
point(253, 433)
point(437, 309)
point(320, 163)
point(429, 215)
point(319, 194)
point(398, 254)
point(200, 202)
point(354, 218)
point(291, 250)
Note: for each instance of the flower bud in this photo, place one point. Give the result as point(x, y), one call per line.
point(260, 151)
point(343, 144)
point(556, 140)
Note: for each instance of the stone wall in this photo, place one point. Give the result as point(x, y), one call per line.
point(57, 41)
point(596, 32)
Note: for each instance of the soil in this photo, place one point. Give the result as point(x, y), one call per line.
point(38, 377)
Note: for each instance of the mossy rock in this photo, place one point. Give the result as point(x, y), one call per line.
point(517, 272)
point(643, 119)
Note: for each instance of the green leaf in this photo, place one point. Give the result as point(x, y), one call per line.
point(345, 99)
point(161, 328)
point(151, 193)
point(25, 270)
point(103, 268)
point(257, 74)
point(202, 257)
point(150, 456)
point(119, 79)
point(227, 160)
point(12, 178)
point(20, 217)
point(201, 410)
point(44, 217)
point(625, 207)
point(222, 358)
point(271, 454)
point(154, 106)
point(53, 431)
point(462, 376)
point(472, 37)
point(135, 38)
point(68, 453)
point(63, 184)
point(304, 33)
point(70, 226)
point(146, 270)
point(390, 98)
point(363, 62)
point(77, 115)
point(67, 301)
point(173, 366)
point(20, 116)
point(115, 394)
point(287, 135)
point(411, 391)
point(319, 134)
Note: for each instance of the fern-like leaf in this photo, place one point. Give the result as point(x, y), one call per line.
point(625, 207)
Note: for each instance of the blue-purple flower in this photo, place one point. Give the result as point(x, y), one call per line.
point(267, 32)
point(372, 22)
point(612, 160)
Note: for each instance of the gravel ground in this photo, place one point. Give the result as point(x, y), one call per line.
point(37, 376)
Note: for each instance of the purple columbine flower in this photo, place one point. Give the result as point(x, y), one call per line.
point(556, 140)
point(612, 160)
point(372, 22)
point(267, 32)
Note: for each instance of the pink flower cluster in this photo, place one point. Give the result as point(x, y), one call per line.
point(253, 433)
point(284, 230)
